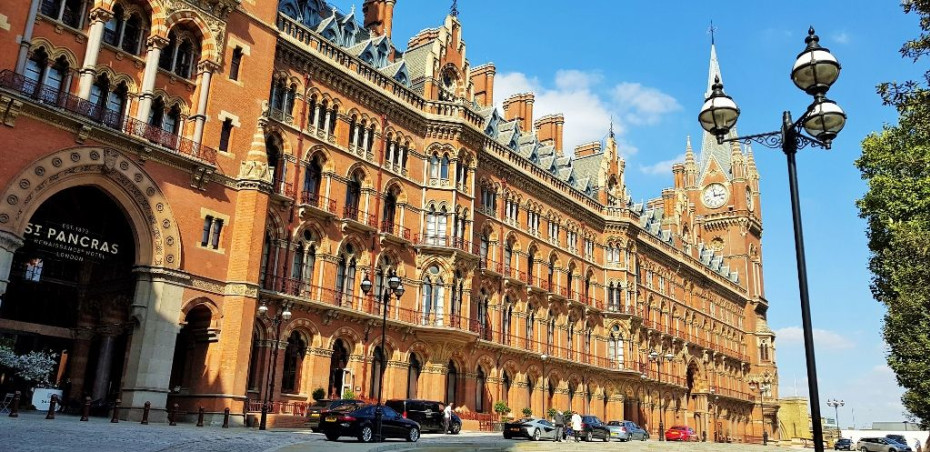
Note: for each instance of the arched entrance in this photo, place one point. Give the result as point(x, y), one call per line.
point(337, 365)
point(70, 292)
point(413, 376)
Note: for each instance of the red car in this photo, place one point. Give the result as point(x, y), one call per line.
point(680, 433)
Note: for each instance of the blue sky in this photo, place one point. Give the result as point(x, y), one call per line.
point(646, 66)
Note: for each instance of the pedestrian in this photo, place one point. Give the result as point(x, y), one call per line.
point(576, 425)
point(447, 417)
point(559, 421)
point(917, 447)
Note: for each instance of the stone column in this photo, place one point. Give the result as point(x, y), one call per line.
point(155, 44)
point(9, 243)
point(26, 41)
point(98, 18)
point(156, 307)
point(206, 69)
point(104, 364)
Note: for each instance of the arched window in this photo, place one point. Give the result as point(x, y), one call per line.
point(455, 306)
point(255, 359)
point(345, 276)
point(550, 332)
point(480, 383)
point(508, 255)
point(353, 195)
point(377, 366)
point(125, 32)
point(46, 79)
point(413, 376)
point(444, 167)
point(390, 209)
point(293, 361)
point(484, 247)
point(68, 12)
point(304, 262)
point(276, 164)
point(530, 323)
point(434, 166)
point(452, 379)
point(530, 262)
point(432, 224)
point(433, 296)
point(550, 276)
point(484, 331)
point(506, 317)
point(266, 258)
point(313, 180)
point(181, 55)
point(441, 230)
point(571, 336)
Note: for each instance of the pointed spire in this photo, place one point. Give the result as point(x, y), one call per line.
point(454, 10)
point(611, 126)
point(751, 170)
point(710, 149)
point(689, 153)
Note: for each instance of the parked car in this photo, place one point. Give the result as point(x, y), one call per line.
point(319, 406)
point(532, 428)
point(681, 433)
point(359, 423)
point(873, 444)
point(897, 438)
point(593, 428)
point(843, 444)
point(626, 431)
point(427, 413)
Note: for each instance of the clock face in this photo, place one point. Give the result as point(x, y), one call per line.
point(715, 195)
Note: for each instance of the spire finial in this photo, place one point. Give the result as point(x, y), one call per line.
point(611, 126)
point(712, 30)
point(454, 11)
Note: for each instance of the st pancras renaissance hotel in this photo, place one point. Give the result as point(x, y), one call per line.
point(243, 204)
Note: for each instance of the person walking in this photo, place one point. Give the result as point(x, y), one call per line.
point(559, 421)
point(447, 418)
point(576, 425)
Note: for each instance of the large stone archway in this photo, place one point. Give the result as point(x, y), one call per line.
point(157, 293)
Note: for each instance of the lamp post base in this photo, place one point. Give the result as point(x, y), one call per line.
point(379, 414)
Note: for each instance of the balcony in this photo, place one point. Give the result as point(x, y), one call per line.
point(281, 116)
point(112, 120)
point(442, 243)
point(394, 232)
point(313, 205)
point(283, 190)
point(513, 275)
point(353, 218)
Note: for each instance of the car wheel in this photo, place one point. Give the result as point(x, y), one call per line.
point(456, 428)
point(413, 435)
point(506, 436)
point(332, 436)
point(589, 437)
point(607, 437)
point(536, 435)
point(365, 435)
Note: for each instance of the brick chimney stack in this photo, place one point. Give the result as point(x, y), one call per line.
point(549, 128)
point(520, 106)
point(483, 79)
point(584, 150)
point(379, 15)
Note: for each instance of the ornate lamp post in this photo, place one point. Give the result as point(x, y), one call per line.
point(277, 320)
point(836, 404)
point(394, 283)
point(659, 359)
point(814, 71)
point(543, 358)
point(762, 388)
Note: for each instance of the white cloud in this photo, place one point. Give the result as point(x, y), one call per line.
point(826, 339)
point(840, 38)
point(662, 168)
point(587, 105)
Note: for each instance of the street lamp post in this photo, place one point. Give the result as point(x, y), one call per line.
point(762, 387)
point(394, 283)
point(814, 71)
point(543, 358)
point(273, 359)
point(836, 404)
point(659, 359)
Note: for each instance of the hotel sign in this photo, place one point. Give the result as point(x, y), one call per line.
point(71, 242)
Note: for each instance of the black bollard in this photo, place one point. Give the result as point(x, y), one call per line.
point(145, 413)
point(115, 418)
point(85, 412)
point(174, 415)
point(51, 407)
point(14, 412)
point(200, 417)
point(226, 418)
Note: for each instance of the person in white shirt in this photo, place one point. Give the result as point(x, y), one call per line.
point(447, 418)
point(576, 425)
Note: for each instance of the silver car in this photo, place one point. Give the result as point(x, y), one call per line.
point(532, 428)
point(626, 431)
point(872, 444)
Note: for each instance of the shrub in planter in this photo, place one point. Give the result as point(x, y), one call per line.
point(501, 408)
point(527, 412)
point(319, 394)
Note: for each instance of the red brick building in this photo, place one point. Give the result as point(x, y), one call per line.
point(171, 167)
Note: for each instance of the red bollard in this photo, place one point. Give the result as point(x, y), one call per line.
point(226, 418)
point(14, 412)
point(86, 411)
point(174, 415)
point(115, 418)
point(51, 407)
point(145, 413)
point(200, 417)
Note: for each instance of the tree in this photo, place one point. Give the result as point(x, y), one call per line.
point(896, 164)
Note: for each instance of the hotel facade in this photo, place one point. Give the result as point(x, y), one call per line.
point(179, 174)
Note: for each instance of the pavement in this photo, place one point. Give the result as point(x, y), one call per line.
point(32, 432)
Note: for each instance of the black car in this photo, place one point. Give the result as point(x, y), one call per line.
point(843, 444)
point(428, 413)
point(593, 428)
point(360, 423)
point(319, 406)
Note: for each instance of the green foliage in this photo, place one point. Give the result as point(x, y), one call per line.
point(319, 394)
point(896, 164)
point(551, 412)
point(501, 408)
point(348, 394)
point(33, 367)
point(527, 412)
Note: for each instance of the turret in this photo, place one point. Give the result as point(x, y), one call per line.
point(379, 15)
